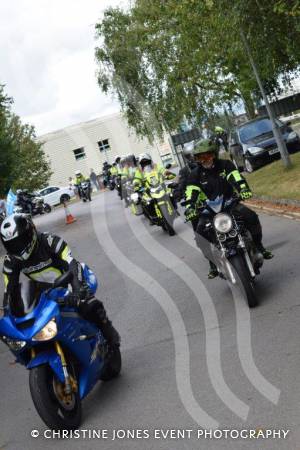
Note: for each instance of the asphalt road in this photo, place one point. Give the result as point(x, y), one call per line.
point(193, 356)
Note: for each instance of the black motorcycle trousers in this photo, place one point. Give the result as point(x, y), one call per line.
point(93, 311)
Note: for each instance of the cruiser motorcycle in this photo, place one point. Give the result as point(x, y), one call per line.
point(230, 245)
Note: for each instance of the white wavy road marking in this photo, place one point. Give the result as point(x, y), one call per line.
point(143, 279)
point(243, 319)
point(193, 282)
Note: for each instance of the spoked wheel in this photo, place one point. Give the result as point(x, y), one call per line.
point(113, 365)
point(243, 273)
point(58, 410)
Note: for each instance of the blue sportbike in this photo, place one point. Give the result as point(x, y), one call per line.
point(65, 354)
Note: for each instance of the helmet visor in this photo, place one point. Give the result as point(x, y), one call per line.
point(21, 245)
point(205, 157)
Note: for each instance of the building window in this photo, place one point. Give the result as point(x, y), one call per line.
point(79, 153)
point(104, 145)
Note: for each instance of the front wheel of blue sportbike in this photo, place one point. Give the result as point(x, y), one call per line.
point(58, 410)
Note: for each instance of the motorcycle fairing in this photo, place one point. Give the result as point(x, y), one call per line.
point(90, 353)
point(53, 359)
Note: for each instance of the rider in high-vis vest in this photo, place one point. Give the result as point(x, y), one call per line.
point(143, 180)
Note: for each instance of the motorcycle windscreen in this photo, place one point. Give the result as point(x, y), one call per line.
point(217, 204)
point(25, 299)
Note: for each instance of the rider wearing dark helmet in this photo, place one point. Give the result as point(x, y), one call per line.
point(43, 257)
point(184, 173)
point(214, 177)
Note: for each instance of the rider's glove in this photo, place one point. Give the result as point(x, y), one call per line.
point(75, 299)
point(190, 213)
point(245, 194)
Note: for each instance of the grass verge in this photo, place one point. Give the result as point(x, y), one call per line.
point(277, 182)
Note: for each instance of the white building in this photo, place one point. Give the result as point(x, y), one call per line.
point(88, 144)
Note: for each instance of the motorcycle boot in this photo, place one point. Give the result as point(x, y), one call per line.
point(93, 310)
point(267, 254)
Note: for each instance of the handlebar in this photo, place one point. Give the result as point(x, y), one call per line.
point(235, 199)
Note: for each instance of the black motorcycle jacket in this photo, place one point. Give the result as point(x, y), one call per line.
point(50, 259)
point(222, 179)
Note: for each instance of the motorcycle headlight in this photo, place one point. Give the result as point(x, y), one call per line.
point(14, 345)
point(255, 150)
point(134, 197)
point(223, 223)
point(48, 332)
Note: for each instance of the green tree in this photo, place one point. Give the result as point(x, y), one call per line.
point(288, 7)
point(6, 144)
point(169, 59)
point(23, 163)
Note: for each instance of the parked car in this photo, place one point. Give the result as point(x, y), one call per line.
point(54, 195)
point(252, 144)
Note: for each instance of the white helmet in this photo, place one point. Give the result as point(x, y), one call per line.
point(77, 173)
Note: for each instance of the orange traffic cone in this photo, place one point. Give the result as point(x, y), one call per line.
point(69, 217)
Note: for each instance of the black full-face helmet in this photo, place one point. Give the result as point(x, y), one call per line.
point(19, 236)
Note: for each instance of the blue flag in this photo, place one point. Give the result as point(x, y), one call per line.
point(10, 202)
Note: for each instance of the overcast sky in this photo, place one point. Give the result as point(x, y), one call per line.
point(47, 60)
